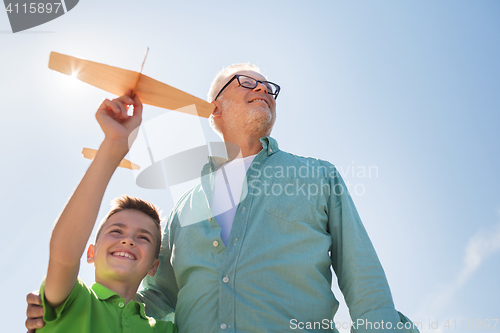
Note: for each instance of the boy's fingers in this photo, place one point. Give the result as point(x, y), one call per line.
point(105, 104)
point(34, 311)
point(33, 324)
point(119, 106)
point(137, 106)
point(109, 105)
point(34, 298)
point(123, 102)
point(125, 99)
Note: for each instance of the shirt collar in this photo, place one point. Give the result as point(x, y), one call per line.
point(269, 146)
point(104, 293)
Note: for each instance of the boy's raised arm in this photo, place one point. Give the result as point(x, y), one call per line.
point(75, 224)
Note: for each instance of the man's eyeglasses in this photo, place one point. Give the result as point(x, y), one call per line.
point(251, 83)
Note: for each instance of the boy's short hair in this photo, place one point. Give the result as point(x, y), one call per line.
point(127, 202)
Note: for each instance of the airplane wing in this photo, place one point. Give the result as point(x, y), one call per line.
point(117, 81)
point(124, 163)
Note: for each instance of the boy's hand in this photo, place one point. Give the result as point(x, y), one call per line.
point(114, 121)
point(34, 312)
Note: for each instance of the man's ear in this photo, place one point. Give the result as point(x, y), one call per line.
point(216, 112)
point(91, 253)
point(154, 267)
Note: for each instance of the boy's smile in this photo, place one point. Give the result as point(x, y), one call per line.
point(124, 254)
point(125, 251)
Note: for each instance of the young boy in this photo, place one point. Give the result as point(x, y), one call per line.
point(126, 248)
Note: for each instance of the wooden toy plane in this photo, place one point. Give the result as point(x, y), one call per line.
point(117, 81)
point(90, 154)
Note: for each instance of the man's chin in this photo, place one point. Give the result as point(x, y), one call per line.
point(254, 119)
point(263, 112)
point(262, 124)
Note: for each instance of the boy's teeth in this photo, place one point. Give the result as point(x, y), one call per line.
point(124, 254)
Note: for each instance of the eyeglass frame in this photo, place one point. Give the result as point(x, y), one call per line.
point(237, 76)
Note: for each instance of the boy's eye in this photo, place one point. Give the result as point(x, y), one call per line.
point(116, 230)
point(145, 238)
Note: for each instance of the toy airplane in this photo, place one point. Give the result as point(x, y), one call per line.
point(90, 154)
point(117, 81)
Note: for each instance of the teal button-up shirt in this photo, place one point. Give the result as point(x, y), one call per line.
point(294, 221)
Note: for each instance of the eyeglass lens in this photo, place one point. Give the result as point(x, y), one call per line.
point(250, 82)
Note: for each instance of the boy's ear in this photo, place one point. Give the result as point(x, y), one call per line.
point(152, 270)
point(90, 253)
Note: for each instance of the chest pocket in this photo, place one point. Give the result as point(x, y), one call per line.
point(293, 199)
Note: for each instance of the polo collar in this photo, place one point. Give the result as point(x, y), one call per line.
point(104, 294)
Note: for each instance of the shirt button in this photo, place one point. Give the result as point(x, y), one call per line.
point(215, 243)
point(121, 304)
point(226, 279)
point(243, 210)
point(235, 241)
point(223, 326)
point(126, 324)
point(270, 150)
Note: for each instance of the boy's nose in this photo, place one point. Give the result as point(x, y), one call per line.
point(127, 242)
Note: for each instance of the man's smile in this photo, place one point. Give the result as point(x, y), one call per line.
point(258, 99)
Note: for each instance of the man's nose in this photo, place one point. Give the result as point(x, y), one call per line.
point(260, 87)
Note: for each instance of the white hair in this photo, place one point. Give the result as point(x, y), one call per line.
point(223, 75)
point(221, 79)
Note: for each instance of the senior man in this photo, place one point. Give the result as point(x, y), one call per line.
point(263, 264)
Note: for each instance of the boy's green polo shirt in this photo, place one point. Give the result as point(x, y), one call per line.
point(99, 309)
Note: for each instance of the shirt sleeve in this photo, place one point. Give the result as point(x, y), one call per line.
point(159, 293)
point(359, 272)
point(52, 314)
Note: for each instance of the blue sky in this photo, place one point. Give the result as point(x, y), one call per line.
point(409, 88)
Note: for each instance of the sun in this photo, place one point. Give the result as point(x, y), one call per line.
point(71, 80)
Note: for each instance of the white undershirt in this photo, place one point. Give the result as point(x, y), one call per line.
point(227, 192)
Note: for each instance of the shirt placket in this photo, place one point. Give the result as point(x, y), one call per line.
point(229, 259)
point(122, 314)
